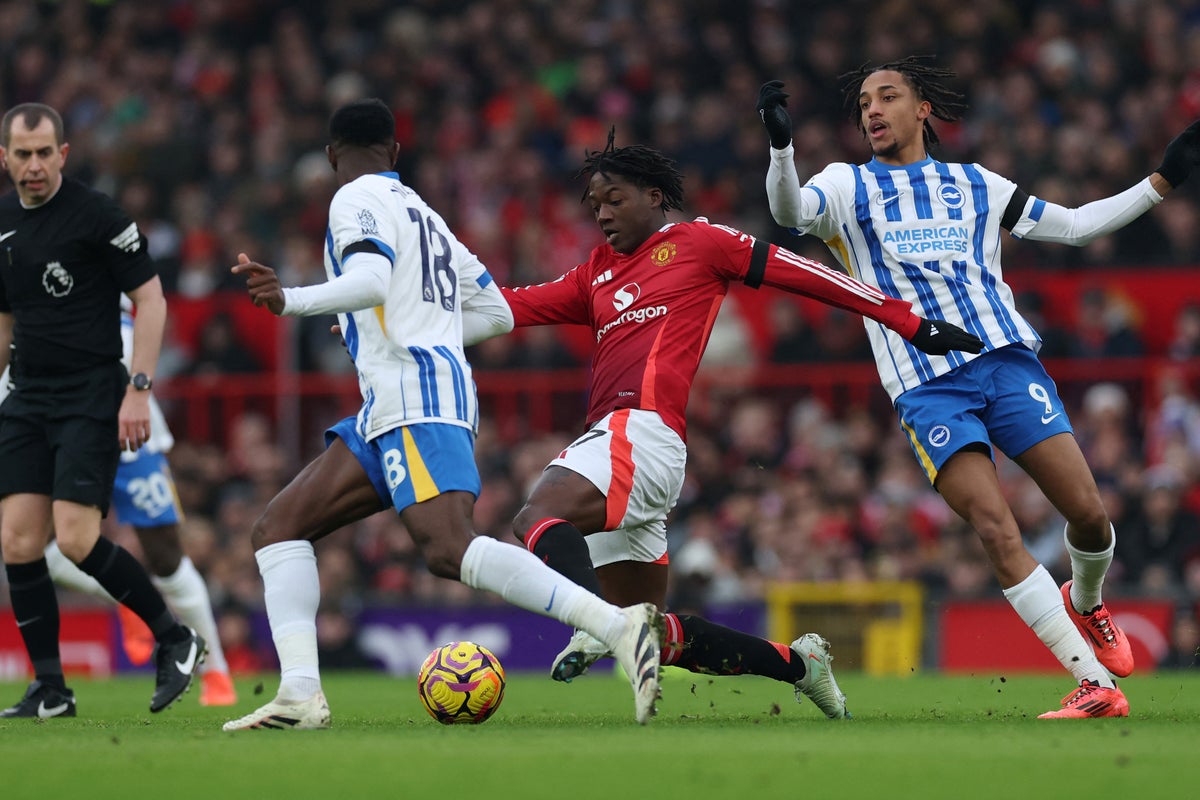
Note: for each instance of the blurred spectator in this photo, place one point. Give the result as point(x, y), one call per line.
point(1172, 428)
point(1185, 338)
point(541, 347)
point(220, 352)
point(842, 337)
point(1106, 327)
point(703, 568)
point(1184, 652)
point(1057, 342)
point(793, 339)
point(244, 654)
point(1157, 538)
point(1104, 431)
point(337, 642)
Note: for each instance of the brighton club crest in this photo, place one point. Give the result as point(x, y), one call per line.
point(58, 281)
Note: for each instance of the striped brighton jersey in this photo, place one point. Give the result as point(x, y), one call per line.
point(927, 232)
point(409, 352)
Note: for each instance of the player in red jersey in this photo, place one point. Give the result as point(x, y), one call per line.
point(650, 294)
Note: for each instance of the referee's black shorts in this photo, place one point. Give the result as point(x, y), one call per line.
point(58, 435)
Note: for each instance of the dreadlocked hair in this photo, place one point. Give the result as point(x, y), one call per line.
point(644, 167)
point(926, 80)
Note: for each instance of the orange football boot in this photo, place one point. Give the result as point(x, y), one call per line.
point(1108, 640)
point(216, 689)
point(135, 636)
point(1091, 700)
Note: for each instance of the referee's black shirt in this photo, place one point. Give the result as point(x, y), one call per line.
point(63, 267)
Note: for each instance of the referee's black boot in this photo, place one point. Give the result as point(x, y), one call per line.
point(176, 663)
point(44, 701)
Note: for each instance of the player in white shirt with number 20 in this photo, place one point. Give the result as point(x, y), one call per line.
point(929, 232)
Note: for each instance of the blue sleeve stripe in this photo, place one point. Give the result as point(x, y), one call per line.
point(1039, 206)
point(820, 194)
point(484, 280)
point(333, 259)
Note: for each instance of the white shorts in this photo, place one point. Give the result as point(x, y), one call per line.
point(638, 463)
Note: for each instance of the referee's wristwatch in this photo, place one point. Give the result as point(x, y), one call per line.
point(141, 382)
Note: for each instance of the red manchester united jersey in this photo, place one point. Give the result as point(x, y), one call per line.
point(651, 311)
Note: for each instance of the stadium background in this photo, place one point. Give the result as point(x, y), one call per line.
point(206, 120)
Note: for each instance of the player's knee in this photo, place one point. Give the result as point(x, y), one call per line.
point(161, 549)
point(269, 529)
point(162, 563)
point(525, 520)
point(1091, 527)
point(444, 561)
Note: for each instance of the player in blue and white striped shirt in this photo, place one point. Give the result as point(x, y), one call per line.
point(929, 232)
point(408, 295)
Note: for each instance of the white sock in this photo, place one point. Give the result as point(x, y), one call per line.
point(522, 579)
point(187, 594)
point(1038, 602)
point(1087, 573)
point(68, 575)
point(292, 592)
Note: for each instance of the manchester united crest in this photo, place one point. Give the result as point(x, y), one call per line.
point(663, 254)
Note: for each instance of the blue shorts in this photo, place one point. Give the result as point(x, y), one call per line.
point(144, 494)
point(1003, 398)
point(414, 463)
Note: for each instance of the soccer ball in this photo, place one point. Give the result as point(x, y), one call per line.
point(461, 682)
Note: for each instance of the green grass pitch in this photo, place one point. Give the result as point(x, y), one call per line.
point(923, 736)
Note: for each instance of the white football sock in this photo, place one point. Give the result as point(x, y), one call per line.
point(1039, 603)
point(1087, 573)
point(292, 592)
point(68, 575)
point(186, 593)
point(522, 579)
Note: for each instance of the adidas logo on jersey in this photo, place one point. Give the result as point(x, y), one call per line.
point(602, 277)
point(129, 240)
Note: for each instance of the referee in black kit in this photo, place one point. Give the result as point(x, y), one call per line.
point(66, 255)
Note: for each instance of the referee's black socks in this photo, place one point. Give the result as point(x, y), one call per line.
point(35, 607)
point(128, 582)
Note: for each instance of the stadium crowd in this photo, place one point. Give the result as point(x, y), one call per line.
point(206, 119)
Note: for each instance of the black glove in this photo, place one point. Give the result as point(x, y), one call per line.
point(1182, 154)
point(771, 100)
point(937, 338)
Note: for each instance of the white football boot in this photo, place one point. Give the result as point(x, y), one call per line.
point(310, 714)
point(638, 650)
point(818, 683)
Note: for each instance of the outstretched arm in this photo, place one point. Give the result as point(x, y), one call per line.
point(785, 270)
point(791, 205)
point(1050, 222)
point(363, 287)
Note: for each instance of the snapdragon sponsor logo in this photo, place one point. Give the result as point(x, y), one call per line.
point(638, 315)
point(935, 238)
